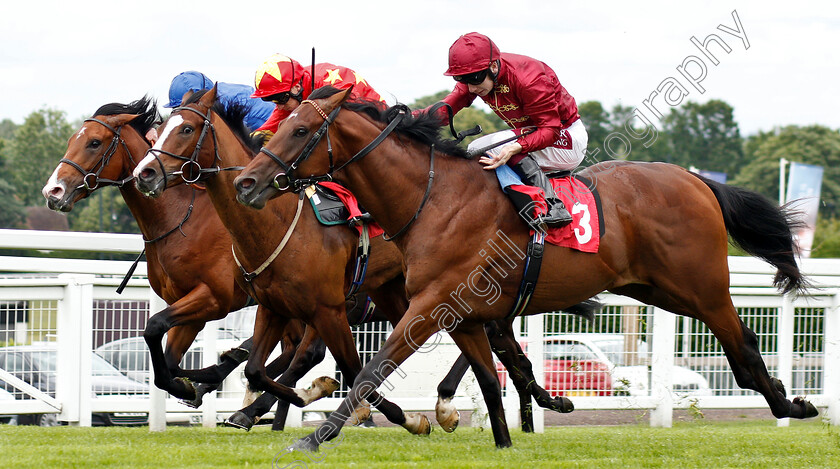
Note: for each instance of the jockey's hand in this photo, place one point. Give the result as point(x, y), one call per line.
point(493, 162)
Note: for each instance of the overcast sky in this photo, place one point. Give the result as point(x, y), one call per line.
point(77, 55)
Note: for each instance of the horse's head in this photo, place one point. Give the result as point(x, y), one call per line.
point(97, 155)
point(183, 150)
point(289, 161)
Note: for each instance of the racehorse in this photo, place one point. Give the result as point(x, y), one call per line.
point(665, 240)
point(224, 149)
point(189, 261)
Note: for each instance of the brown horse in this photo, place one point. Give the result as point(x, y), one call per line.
point(189, 261)
point(665, 242)
point(386, 273)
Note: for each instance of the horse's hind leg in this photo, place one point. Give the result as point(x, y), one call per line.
point(741, 347)
point(739, 343)
point(447, 415)
point(507, 349)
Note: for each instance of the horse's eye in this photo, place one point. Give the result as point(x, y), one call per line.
point(301, 132)
point(94, 144)
point(187, 130)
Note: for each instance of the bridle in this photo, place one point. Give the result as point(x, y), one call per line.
point(191, 171)
point(286, 179)
point(90, 178)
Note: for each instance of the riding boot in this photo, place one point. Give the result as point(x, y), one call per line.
point(532, 174)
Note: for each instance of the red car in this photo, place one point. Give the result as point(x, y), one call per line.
point(571, 369)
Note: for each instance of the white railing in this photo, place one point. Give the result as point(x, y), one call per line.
point(71, 304)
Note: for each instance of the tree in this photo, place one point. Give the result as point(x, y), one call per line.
point(33, 152)
point(706, 136)
point(596, 119)
point(815, 144)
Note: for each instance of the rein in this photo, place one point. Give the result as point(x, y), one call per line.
point(249, 276)
point(190, 165)
point(103, 162)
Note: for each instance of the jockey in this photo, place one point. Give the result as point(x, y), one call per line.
point(257, 110)
point(524, 92)
point(286, 83)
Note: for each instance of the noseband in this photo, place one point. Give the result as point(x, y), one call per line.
point(91, 180)
point(286, 179)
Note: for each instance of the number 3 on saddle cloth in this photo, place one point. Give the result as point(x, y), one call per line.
point(583, 233)
point(581, 200)
point(335, 205)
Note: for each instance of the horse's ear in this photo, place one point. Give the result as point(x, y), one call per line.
point(118, 120)
point(339, 98)
point(210, 97)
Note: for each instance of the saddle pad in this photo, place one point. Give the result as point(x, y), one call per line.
point(352, 205)
point(329, 210)
point(581, 200)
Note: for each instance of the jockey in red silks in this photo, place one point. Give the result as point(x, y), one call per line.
point(523, 92)
point(286, 83)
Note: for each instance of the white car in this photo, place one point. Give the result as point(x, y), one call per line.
point(627, 360)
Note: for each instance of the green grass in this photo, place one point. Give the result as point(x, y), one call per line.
point(696, 444)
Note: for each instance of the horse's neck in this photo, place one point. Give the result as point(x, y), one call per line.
point(249, 228)
point(154, 216)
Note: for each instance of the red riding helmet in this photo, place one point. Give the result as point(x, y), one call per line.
point(471, 53)
point(277, 75)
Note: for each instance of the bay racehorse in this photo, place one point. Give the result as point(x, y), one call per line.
point(665, 242)
point(224, 148)
point(189, 261)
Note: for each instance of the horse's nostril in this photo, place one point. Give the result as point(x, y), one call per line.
point(56, 192)
point(147, 173)
point(246, 183)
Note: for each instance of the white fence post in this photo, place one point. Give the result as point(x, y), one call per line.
point(536, 332)
point(157, 397)
point(832, 360)
point(209, 358)
point(75, 345)
point(785, 352)
point(511, 399)
point(662, 364)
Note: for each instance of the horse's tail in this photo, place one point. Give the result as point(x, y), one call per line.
point(585, 309)
point(762, 229)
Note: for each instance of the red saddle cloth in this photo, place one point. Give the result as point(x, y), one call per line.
point(584, 232)
point(349, 201)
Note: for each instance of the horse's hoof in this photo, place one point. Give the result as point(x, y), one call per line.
point(563, 405)
point(200, 391)
point(236, 354)
point(304, 444)
point(240, 420)
point(808, 410)
point(326, 385)
point(447, 415)
point(361, 414)
point(183, 388)
point(417, 424)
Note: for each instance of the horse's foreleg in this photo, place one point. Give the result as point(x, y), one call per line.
point(410, 334)
point(267, 333)
point(472, 340)
point(339, 340)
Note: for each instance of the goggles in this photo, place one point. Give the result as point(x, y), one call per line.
point(475, 78)
point(279, 98)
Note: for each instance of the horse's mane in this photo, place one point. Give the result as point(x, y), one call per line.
point(234, 116)
point(422, 127)
point(145, 107)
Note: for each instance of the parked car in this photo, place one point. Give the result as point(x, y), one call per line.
point(131, 357)
point(6, 396)
point(36, 365)
point(606, 364)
